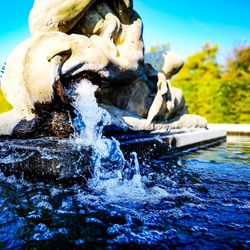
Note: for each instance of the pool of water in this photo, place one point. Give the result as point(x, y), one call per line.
point(199, 200)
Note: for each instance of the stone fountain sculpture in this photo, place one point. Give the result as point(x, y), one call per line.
point(96, 40)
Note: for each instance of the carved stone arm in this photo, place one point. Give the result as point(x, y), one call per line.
point(57, 15)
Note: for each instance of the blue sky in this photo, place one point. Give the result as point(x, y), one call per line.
point(185, 24)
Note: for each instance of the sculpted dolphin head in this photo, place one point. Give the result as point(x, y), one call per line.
point(112, 27)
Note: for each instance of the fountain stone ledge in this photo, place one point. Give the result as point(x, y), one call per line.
point(54, 159)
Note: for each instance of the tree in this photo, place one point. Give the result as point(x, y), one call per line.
point(221, 94)
point(236, 85)
point(238, 65)
point(4, 105)
point(199, 80)
point(159, 48)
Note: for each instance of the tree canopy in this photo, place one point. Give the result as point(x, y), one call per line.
point(4, 105)
point(219, 93)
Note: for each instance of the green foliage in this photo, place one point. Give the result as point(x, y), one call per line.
point(4, 105)
point(238, 65)
point(159, 48)
point(221, 94)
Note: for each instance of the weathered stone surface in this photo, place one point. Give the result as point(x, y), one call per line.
point(172, 64)
point(44, 158)
point(56, 15)
point(96, 40)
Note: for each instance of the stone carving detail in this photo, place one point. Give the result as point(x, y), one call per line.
point(96, 40)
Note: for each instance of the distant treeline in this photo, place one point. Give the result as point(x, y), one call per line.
point(221, 93)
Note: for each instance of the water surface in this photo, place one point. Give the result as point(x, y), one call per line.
point(196, 201)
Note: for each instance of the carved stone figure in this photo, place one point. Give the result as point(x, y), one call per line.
point(96, 40)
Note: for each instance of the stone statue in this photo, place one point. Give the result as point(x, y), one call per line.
point(96, 40)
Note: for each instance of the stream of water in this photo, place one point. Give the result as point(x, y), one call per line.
point(196, 201)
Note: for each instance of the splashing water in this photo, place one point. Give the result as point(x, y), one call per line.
point(90, 115)
point(91, 120)
point(112, 174)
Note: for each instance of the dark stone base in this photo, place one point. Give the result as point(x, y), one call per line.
point(56, 160)
point(47, 159)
